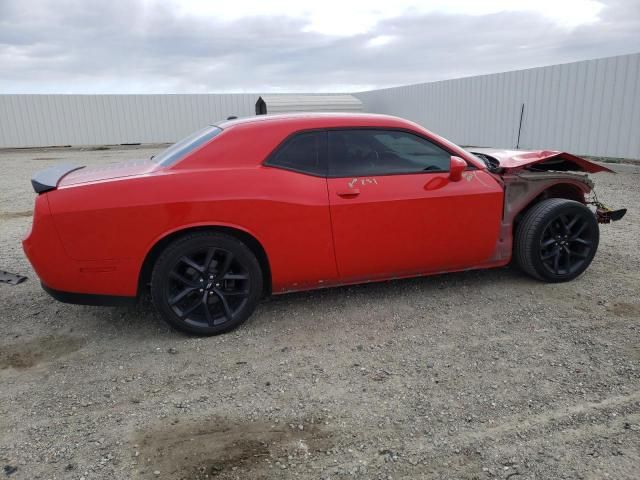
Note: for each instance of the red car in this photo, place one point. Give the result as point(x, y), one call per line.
point(274, 204)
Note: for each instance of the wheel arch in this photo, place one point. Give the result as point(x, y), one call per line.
point(524, 190)
point(561, 189)
point(250, 240)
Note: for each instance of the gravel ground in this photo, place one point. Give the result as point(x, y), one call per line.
point(473, 375)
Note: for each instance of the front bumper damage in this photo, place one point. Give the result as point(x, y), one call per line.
point(605, 214)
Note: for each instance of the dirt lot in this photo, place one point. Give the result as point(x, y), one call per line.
point(469, 376)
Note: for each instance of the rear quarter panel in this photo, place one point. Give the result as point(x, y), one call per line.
point(118, 222)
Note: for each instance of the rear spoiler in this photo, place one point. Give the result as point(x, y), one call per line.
point(48, 179)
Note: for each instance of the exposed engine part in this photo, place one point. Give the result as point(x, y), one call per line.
point(604, 213)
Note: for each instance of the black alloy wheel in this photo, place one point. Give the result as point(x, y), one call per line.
point(556, 240)
point(566, 243)
point(206, 283)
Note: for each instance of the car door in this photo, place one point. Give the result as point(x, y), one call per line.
point(395, 212)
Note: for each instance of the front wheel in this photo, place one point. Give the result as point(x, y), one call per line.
point(206, 283)
point(556, 240)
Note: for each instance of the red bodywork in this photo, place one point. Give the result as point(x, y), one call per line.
point(513, 160)
point(93, 233)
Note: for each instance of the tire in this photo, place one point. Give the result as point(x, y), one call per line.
point(206, 283)
point(556, 240)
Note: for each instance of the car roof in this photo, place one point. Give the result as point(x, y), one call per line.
point(288, 123)
point(324, 119)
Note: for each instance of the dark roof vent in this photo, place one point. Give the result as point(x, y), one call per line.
point(231, 117)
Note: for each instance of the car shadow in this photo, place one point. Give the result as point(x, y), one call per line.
point(388, 289)
point(143, 320)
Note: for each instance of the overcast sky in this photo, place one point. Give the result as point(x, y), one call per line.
point(197, 46)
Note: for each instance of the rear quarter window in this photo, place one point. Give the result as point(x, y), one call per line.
point(304, 152)
point(187, 145)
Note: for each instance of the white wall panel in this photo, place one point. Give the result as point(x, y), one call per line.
point(46, 120)
point(590, 107)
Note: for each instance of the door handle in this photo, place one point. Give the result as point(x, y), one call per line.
point(353, 192)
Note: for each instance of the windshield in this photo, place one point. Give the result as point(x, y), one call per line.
point(179, 149)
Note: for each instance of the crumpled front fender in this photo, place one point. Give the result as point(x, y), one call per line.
point(521, 188)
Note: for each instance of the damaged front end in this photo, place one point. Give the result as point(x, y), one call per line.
point(529, 177)
point(525, 188)
point(536, 161)
point(604, 213)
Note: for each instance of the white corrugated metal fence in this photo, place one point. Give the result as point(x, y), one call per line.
point(590, 107)
point(45, 120)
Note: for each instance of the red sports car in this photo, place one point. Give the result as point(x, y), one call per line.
point(273, 204)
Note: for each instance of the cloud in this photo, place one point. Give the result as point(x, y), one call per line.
point(139, 46)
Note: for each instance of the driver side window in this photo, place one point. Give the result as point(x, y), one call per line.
point(365, 152)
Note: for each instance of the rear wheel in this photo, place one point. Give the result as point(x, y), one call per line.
point(556, 240)
point(206, 283)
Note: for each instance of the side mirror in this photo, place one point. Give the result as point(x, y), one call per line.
point(456, 167)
